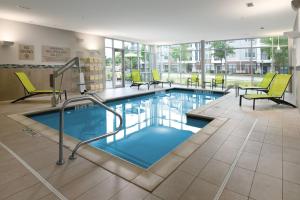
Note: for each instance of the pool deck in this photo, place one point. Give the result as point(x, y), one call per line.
point(248, 155)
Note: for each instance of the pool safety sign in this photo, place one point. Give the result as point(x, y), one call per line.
point(55, 54)
point(26, 52)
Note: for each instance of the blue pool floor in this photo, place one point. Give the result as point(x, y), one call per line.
point(153, 124)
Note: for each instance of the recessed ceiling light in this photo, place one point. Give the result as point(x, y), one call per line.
point(23, 7)
point(250, 4)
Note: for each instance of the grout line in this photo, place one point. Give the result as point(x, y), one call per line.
point(35, 173)
point(255, 170)
point(226, 179)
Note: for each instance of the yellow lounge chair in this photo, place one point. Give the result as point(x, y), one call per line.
point(193, 79)
point(30, 90)
point(136, 79)
point(275, 93)
point(157, 80)
point(218, 80)
point(262, 86)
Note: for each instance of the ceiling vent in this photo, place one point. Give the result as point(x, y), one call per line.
point(250, 4)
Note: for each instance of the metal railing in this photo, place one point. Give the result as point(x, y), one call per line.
point(93, 99)
point(60, 72)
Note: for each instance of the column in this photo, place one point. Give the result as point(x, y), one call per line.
point(202, 62)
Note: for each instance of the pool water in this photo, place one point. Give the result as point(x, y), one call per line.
point(153, 124)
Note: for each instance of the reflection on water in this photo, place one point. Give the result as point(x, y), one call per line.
point(153, 124)
point(160, 109)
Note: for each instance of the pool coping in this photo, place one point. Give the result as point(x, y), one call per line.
point(149, 178)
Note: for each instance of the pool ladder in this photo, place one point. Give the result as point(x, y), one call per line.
point(88, 97)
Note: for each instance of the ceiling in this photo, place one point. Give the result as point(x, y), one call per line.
point(157, 21)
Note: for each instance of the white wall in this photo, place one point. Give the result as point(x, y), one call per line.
point(22, 33)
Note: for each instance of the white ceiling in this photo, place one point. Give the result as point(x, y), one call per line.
point(157, 21)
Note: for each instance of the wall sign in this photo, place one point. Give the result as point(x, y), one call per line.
point(26, 52)
point(55, 54)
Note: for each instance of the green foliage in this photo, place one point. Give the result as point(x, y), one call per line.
point(280, 57)
point(221, 49)
point(180, 52)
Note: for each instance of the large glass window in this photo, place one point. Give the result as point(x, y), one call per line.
point(241, 61)
point(136, 56)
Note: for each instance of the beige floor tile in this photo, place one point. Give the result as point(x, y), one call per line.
point(273, 139)
point(291, 172)
point(15, 172)
point(147, 180)
point(226, 154)
point(17, 185)
point(105, 190)
point(291, 191)
point(266, 188)
point(209, 129)
point(50, 197)
point(174, 186)
point(229, 195)
point(82, 184)
point(42, 158)
point(257, 136)
point(291, 155)
point(5, 156)
point(32, 193)
point(272, 151)
point(168, 164)
point(64, 177)
point(122, 168)
point(152, 197)
point(248, 161)
point(53, 169)
point(274, 130)
point(234, 142)
point(260, 127)
point(94, 155)
point(214, 172)
point(218, 138)
point(200, 189)
point(194, 164)
point(208, 149)
point(291, 142)
point(240, 181)
point(270, 166)
point(130, 192)
point(186, 149)
point(199, 138)
point(253, 147)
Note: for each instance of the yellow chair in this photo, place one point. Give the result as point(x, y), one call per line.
point(275, 93)
point(193, 79)
point(218, 80)
point(30, 90)
point(136, 79)
point(157, 80)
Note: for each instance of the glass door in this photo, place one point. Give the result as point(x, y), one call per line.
point(118, 68)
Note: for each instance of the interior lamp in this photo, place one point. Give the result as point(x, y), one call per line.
point(278, 47)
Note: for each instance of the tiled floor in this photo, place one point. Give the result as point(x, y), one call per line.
point(268, 167)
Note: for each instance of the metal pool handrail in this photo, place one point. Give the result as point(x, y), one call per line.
point(61, 126)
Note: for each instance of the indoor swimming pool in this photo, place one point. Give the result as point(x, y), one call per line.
point(154, 124)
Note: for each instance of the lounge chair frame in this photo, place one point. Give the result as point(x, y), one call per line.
point(140, 82)
point(258, 89)
point(28, 94)
point(190, 80)
point(278, 100)
point(157, 82)
point(215, 84)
